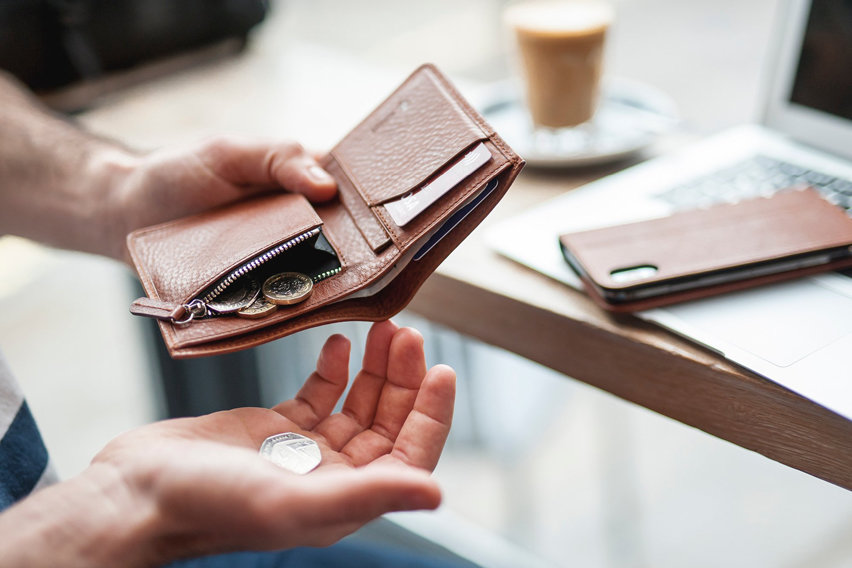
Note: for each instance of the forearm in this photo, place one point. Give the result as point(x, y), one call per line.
point(55, 178)
point(63, 186)
point(92, 520)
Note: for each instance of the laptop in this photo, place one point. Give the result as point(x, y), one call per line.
point(796, 333)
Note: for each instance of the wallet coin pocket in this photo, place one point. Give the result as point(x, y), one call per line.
point(217, 263)
point(281, 276)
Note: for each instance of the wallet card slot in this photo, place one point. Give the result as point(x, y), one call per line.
point(365, 220)
point(446, 205)
point(406, 141)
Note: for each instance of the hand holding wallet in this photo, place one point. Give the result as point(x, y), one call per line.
point(414, 179)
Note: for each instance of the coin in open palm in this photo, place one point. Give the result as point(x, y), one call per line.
point(291, 451)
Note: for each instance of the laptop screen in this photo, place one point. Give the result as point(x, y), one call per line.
point(823, 79)
point(810, 94)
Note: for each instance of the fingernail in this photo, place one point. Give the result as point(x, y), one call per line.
point(319, 174)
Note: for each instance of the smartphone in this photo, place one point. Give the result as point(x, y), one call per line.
point(696, 253)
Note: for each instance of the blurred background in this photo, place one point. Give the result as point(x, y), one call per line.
point(540, 469)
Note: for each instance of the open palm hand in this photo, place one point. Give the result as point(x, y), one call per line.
point(210, 491)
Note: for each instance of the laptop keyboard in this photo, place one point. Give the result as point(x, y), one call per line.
point(756, 176)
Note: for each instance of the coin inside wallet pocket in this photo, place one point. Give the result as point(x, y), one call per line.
point(280, 276)
point(216, 264)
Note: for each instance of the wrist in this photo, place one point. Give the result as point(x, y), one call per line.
point(95, 519)
point(109, 167)
point(125, 526)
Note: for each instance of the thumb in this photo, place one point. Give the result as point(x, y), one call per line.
point(268, 164)
point(362, 494)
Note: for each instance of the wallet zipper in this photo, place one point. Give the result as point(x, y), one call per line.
point(254, 263)
point(198, 307)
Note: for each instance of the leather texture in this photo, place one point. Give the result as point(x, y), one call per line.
point(415, 132)
point(182, 257)
point(719, 240)
point(411, 138)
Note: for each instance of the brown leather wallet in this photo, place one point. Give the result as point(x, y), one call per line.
point(362, 264)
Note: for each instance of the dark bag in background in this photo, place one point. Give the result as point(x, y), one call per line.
point(49, 44)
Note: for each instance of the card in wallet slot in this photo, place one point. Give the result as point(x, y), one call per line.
point(273, 265)
point(702, 252)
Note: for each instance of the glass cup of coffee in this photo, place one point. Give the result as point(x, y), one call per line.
point(560, 47)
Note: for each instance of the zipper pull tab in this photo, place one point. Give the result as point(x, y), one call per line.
point(178, 314)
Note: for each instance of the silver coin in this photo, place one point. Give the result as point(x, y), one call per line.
point(235, 297)
point(291, 451)
point(288, 288)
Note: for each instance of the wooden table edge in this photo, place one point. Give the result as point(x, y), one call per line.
point(717, 398)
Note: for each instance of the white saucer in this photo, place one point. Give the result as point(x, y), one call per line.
point(629, 118)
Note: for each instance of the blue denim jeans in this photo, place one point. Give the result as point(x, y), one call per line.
point(347, 553)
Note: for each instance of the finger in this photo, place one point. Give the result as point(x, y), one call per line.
point(360, 406)
point(265, 165)
point(405, 373)
point(364, 395)
point(422, 438)
point(329, 505)
point(317, 397)
point(406, 369)
point(239, 500)
point(304, 175)
point(319, 155)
